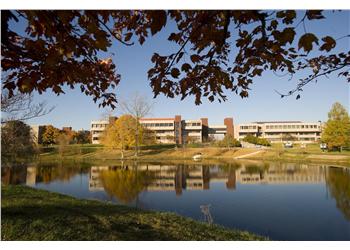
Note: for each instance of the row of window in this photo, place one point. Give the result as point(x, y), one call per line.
point(158, 124)
point(287, 139)
point(98, 125)
point(292, 134)
point(194, 124)
point(249, 127)
point(290, 126)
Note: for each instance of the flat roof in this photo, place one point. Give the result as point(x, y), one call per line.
point(157, 119)
point(278, 122)
point(99, 121)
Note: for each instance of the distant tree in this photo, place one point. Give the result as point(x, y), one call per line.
point(217, 50)
point(50, 135)
point(148, 136)
point(229, 141)
point(288, 137)
point(121, 134)
point(21, 107)
point(70, 135)
point(170, 138)
point(256, 140)
point(138, 106)
point(211, 138)
point(16, 141)
point(188, 139)
point(63, 140)
point(263, 142)
point(251, 139)
point(82, 137)
point(336, 132)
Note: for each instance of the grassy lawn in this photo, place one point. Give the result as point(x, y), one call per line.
point(312, 153)
point(30, 214)
point(312, 148)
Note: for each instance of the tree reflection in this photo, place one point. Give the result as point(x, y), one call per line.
point(63, 172)
point(338, 182)
point(124, 184)
point(13, 175)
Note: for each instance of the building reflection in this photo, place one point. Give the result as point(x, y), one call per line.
point(281, 174)
point(31, 176)
point(178, 177)
point(199, 177)
point(127, 182)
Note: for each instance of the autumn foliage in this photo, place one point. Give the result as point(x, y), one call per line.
point(218, 50)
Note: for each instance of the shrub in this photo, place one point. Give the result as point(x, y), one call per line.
point(256, 140)
point(229, 141)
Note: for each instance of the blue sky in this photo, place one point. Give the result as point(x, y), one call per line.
point(77, 110)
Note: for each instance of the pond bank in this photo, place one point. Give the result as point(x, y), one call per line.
point(31, 214)
point(169, 152)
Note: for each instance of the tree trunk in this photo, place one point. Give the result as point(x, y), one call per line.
point(122, 150)
point(137, 138)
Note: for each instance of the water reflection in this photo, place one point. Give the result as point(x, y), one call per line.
point(125, 185)
point(339, 186)
point(261, 197)
point(118, 181)
point(125, 182)
point(40, 173)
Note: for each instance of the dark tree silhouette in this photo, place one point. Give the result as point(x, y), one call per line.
point(218, 50)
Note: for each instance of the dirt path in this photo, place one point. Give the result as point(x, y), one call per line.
point(249, 154)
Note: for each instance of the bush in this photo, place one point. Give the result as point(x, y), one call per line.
point(229, 141)
point(263, 142)
point(256, 140)
point(251, 139)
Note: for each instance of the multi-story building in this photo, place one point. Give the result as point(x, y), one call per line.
point(281, 131)
point(179, 131)
point(172, 130)
point(37, 132)
point(176, 130)
point(97, 128)
point(167, 130)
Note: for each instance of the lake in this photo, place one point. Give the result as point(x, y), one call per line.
point(283, 201)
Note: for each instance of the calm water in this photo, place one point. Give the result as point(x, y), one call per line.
point(281, 201)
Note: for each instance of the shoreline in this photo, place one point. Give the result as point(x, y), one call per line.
point(209, 154)
point(34, 214)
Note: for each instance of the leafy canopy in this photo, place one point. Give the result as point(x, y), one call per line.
point(229, 141)
point(121, 133)
point(16, 141)
point(50, 135)
point(218, 50)
point(336, 132)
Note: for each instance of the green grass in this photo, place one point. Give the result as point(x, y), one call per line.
point(312, 153)
point(312, 148)
point(31, 214)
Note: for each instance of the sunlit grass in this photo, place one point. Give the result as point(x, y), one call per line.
point(31, 214)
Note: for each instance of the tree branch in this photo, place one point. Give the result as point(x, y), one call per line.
point(112, 34)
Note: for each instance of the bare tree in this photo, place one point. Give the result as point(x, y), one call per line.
point(107, 114)
point(21, 107)
point(138, 106)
